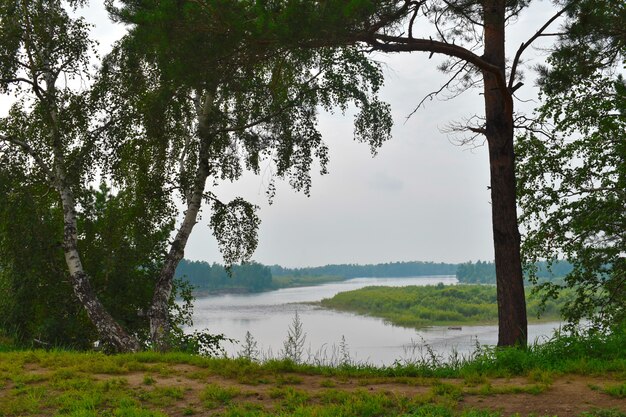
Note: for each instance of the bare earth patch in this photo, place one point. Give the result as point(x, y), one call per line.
point(564, 396)
point(567, 396)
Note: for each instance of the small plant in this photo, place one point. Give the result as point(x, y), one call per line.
point(291, 398)
point(287, 380)
point(344, 351)
point(542, 377)
point(328, 383)
point(618, 391)
point(603, 412)
point(250, 348)
point(214, 396)
point(188, 411)
point(293, 346)
point(148, 380)
point(447, 390)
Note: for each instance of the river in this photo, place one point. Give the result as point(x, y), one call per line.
point(267, 316)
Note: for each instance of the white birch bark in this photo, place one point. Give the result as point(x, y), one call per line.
point(108, 329)
point(159, 309)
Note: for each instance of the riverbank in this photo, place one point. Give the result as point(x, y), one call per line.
point(277, 283)
point(435, 305)
point(567, 378)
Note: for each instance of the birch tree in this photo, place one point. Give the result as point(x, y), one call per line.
point(240, 104)
point(470, 33)
point(44, 57)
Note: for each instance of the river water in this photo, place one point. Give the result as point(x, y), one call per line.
point(268, 315)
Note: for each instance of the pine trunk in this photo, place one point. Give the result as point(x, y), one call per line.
point(512, 321)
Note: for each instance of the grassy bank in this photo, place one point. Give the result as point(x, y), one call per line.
point(420, 306)
point(544, 380)
point(277, 282)
point(289, 281)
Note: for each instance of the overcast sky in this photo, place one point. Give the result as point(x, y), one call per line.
point(421, 198)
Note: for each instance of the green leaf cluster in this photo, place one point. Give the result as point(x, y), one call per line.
point(572, 171)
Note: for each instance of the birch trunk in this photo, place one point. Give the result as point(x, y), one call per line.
point(108, 329)
point(160, 325)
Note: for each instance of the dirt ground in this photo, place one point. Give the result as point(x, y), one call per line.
point(563, 396)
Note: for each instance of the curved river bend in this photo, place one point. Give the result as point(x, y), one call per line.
point(268, 315)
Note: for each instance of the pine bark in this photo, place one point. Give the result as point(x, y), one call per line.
point(512, 321)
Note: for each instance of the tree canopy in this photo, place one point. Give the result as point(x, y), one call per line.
point(573, 170)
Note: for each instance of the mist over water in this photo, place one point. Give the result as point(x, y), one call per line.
point(268, 315)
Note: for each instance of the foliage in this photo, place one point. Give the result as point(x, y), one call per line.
point(392, 269)
point(572, 184)
point(293, 346)
point(476, 273)
point(122, 247)
point(593, 40)
point(483, 272)
point(419, 306)
point(206, 277)
point(249, 349)
point(192, 86)
point(253, 276)
point(263, 107)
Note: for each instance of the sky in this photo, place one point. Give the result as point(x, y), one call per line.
point(421, 198)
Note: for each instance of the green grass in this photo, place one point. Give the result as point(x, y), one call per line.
point(618, 391)
point(289, 281)
point(214, 396)
point(63, 383)
point(420, 306)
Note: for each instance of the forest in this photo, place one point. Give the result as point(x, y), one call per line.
point(482, 272)
point(109, 162)
point(255, 277)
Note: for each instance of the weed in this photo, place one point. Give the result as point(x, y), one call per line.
point(163, 396)
point(447, 390)
point(293, 346)
point(618, 391)
point(287, 380)
point(328, 383)
point(189, 411)
point(473, 379)
point(148, 380)
point(214, 396)
point(431, 410)
point(540, 376)
point(250, 348)
point(290, 398)
point(603, 412)
point(245, 410)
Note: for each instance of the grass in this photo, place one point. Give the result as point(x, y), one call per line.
point(64, 383)
point(618, 391)
point(290, 281)
point(420, 306)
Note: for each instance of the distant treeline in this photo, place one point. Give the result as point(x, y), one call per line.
point(393, 269)
point(206, 277)
point(485, 272)
point(254, 277)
